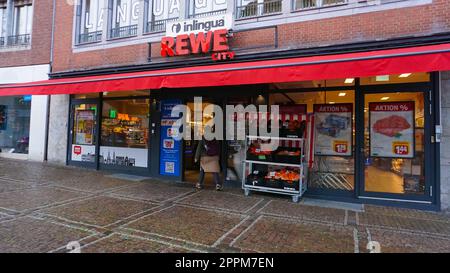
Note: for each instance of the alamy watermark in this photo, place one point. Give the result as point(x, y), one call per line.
point(238, 121)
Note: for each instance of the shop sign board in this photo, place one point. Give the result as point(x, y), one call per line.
point(209, 35)
point(333, 129)
point(170, 146)
point(199, 25)
point(392, 129)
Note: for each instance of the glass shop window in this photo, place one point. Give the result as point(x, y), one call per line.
point(15, 124)
point(125, 132)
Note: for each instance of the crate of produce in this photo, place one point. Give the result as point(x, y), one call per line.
point(288, 155)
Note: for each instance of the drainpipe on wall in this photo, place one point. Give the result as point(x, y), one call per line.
point(49, 97)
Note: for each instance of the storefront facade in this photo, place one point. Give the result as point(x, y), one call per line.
point(131, 131)
point(112, 90)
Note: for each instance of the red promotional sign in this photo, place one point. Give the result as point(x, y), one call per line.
point(391, 106)
point(333, 108)
point(392, 129)
point(77, 150)
point(333, 129)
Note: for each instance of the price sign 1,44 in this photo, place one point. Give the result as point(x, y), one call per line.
point(400, 148)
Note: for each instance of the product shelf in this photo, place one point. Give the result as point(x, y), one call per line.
point(249, 166)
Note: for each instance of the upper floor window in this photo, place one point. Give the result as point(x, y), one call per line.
point(255, 8)
point(159, 12)
point(203, 8)
point(308, 4)
point(125, 18)
point(91, 19)
point(2, 23)
point(22, 23)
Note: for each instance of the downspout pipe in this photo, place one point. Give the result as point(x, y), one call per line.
point(49, 97)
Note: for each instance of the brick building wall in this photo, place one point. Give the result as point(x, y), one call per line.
point(404, 22)
point(39, 53)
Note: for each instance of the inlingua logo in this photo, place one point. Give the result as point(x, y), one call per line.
point(176, 28)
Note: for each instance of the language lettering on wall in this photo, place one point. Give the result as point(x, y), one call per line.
point(127, 11)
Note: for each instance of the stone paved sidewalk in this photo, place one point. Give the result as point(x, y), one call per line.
point(44, 207)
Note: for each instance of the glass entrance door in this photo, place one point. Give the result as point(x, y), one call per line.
point(83, 133)
point(396, 146)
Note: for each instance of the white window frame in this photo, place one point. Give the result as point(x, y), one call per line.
point(216, 8)
point(318, 4)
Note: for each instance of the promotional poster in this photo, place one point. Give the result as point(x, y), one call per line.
point(170, 148)
point(333, 129)
point(392, 129)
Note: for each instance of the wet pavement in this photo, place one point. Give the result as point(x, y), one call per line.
point(44, 207)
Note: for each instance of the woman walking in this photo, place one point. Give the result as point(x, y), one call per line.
point(208, 152)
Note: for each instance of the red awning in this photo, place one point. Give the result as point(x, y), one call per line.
point(349, 65)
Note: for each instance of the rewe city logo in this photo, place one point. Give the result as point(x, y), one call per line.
point(201, 43)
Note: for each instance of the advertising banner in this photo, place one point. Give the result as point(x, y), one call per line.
point(170, 149)
point(83, 153)
point(123, 156)
point(392, 129)
point(333, 129)
point(84, 127)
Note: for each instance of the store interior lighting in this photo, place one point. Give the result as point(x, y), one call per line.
point(349, 80)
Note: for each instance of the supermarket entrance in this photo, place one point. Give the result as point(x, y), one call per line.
point(395, 148)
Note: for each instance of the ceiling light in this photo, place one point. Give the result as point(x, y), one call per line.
point(349, 80)
point(332, 102)
point(383, 78)
point(385, 98)
point(342, 94)
point(405, 75)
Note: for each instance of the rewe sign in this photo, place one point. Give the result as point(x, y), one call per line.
point(199, 36)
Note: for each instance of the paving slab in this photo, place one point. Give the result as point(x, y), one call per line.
point(271, 234)
point(408, 213)
point(222, 200)
point(35, 198)
point(92, 184)
point(403, 242)
point(25, 235)
point(154, 191)
point(6, 186)
point(190, 224)
point(405, 223)
point(119, 243)
point(99, 211)
point(304, 212)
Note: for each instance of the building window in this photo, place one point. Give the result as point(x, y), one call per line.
point(255, 8)
point(204, 8)
point(15, 124)
point(124, 133)
point(125, 18)
point(159, 13)
point(2, 23)
point(91, 19)
point(309, 4)
point(22, 24)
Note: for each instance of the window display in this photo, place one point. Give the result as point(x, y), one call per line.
point(124, 133)
point(331, 157)
point(394, 143)
point(15, 124)
point(84, 129)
